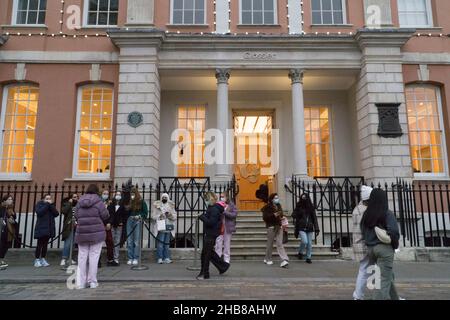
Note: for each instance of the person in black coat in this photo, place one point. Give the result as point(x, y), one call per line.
point(45, 228)
point(212, 225)
point(118, 215)
point(305, 225)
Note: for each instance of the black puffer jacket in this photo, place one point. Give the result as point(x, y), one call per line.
point(212, 220)
point(117, 217)
point(305, 220)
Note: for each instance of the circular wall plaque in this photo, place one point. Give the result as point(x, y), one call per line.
point(135, 119)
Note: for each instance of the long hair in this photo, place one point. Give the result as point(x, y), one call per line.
point(375, 214)
point(92, 189)
point(306, 203)
point(211, 196)
point(136, 204)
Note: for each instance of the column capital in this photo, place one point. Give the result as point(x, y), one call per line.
point(296, 75)
point(222, 75)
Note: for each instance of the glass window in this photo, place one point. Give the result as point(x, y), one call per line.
point(19, 124)
point(414, 13)
point(188, 11)
point(94, 132)
point(318, 141)
point(328, 11)
point(425, 131)
point(102, 12)
point(258, 11)
point(30, 11)
point(191, 152)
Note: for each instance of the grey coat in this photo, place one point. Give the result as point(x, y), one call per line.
point(90, 213)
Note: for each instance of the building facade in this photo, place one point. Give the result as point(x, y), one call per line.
point(93, 90)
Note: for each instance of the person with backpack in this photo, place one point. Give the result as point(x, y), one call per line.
point(381, 235)
point(306, 226)
point(44, 229)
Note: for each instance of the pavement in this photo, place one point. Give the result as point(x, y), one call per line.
point(324, 279)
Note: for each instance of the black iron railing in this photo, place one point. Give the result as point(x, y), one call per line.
point(422, 209)
point(187, 193)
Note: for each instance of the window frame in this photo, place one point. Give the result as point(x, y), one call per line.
point(13, 175)
point(187, 106)
point(275, 15)
point(14, 17)
point(330, 124)
point(344, 15)
point(86, 18)
point(428, 8)
point(189, 24)
point(76, 152)
point(425, 175)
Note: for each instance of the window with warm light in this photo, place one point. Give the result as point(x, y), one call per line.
point(192, 120)
point(258, 11)
point(318, 141)
point(101, 12)
point(30, 12)
point(426, 133)
point(94, 131)
point(19, 111)
point(415, 13)
point(188, 11)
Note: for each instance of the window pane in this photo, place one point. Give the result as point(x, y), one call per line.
point(199, 17)
point(93, 5)
point(102, 18)
point(268, 18)
point(268, 5)
point(199, 4)
point(338, 17)
point(33, 4)
point(188, 4)
point(246, 17)
point(246, 4)
point(316, 4)
point(327, 17)
point(188, 16)
point(92, 18)
point(113, 18)
point(178, 17)
point(32, 17)
point(326, 5)
point(317, 17)
point(103, 5)
point(257, 17)
point(22, 5)
point(114, 5)
point(257, 5)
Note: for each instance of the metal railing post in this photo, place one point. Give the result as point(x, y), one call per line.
point(195, 266)
point(72, 221)
point(140, 266)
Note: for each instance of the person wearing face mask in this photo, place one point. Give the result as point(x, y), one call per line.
point(212, 224)
point(138, 212)
point(223, 242)
point(45, 228)
point(272, 215)
point(164, 209)
point(109, 240)
point(305, 225)
point(118, 216)
point(68, 210)
point(8, 228)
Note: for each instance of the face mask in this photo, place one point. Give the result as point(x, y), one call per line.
point(276, 201)
point(132, 197)
point(105, 197)
point(9, 202)
point(222, 199)
point(118, 198)
point(164, 200)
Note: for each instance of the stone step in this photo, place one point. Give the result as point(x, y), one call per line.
point(250, 255)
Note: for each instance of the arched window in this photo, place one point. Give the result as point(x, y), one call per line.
point(18, 124)
point(426, 130)
point(94, 131)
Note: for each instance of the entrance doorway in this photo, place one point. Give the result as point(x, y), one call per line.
point(252, 150)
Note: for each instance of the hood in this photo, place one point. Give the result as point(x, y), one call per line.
point(89, 200)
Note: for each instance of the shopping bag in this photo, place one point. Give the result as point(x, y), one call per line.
point(161, 225)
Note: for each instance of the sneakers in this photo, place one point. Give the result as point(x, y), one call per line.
point(63, 262)
point(117, 261)
point(167, 261)
point(160, 261)
point(3, 265)
point(37, 263)
point(284, 264)
point(268, 262)
point(93, 285)
point(113, 263)
point(225, 270)
point(44, 263)
point(130, 262)
point(300, 256)
point(308, 261)
point(135, 262)
point(202, 277)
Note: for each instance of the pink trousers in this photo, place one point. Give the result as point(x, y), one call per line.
point(88, 256)
point(223, 243)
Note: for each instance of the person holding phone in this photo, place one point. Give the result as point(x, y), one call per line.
point(45, 228)
point(164, 211)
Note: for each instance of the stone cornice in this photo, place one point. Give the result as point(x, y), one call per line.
point(140, 37)
point(3, 40)
point(383, 37)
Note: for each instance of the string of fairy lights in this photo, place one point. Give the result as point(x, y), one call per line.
point(78, 34)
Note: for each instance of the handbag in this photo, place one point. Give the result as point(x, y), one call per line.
point(382, 235)
point(161, 225)
point(169, 227)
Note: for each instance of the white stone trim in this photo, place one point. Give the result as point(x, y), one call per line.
point(295, 17)
point(222, 16)
point(426, 58)
point(58, 57)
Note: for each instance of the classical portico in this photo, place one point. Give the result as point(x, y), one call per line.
point(286, 76)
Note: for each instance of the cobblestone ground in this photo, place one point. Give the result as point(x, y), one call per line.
point(214, 289)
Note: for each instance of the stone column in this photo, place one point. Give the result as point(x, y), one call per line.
point(223, 172)
point(298, 123)
point(138, 112)
point(383, 159)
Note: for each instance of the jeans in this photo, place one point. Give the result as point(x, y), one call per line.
point(383, 256)
point(134, 238)
point(223, 243)
point(361, 279)
point(67, 245)
point(275, 234)
point(41, 248)
point(88, 257)
point(306, 241)
point(117, 236)
point(162, 249)
point(4, 243)
point(109, 245)
point(209, 255)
